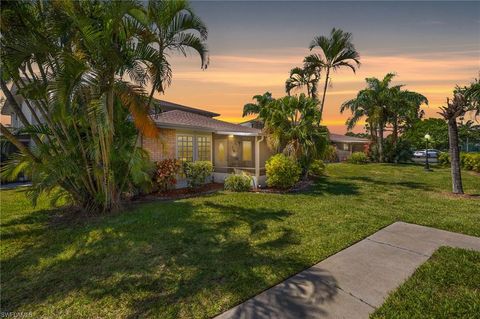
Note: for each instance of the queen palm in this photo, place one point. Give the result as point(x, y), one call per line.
point(336, 51)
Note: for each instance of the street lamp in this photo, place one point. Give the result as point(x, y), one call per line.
point(427, 138)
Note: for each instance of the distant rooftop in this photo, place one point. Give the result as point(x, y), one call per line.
point(170, 106)
point(193, 121)
point(347, 139)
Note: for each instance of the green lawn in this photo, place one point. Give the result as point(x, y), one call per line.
point(446, 286)
point(198, 257)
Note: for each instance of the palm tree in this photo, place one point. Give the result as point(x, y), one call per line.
point(69, 60)
point(336, 51)
point(454, 109)
point(374, 103)
point(259, 108)
point(303, 77)
point(291, 123)
point(173, 28)
point(404, 110)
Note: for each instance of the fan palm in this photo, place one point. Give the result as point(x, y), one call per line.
point(336, 51)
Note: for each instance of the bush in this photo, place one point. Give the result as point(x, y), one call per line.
point(166, 173)
point(317, 168)
point(238, 183)
point(398, 152)
point(444, 159)
point(468, 161)
point(197, 172)
point(282, 171)
point(358, 158)
point(330, 154)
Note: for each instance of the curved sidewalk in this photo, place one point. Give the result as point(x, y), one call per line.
point(355, 281)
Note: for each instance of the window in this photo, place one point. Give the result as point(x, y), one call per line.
point(247, 150)
point(193, 148)
point(185, 148)
point(203, 148)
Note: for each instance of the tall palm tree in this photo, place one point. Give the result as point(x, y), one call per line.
point(336, 51)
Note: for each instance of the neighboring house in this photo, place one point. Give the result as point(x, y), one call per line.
point(345, 145)
point(191, 134)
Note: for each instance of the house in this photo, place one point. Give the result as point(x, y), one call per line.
point(346, 145)
point(191, 134)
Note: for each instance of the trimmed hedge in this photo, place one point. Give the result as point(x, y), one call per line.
point(238, 183)
point(197, 172)
point(282, 171)
point(468, 161)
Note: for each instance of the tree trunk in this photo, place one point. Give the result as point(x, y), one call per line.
point(455, 157)
point(380, 143)
point(395, 131)
point(324, 91)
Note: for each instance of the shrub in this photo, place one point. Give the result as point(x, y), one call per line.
point(197, 172)
point(166, 174)
point(468, 161)
point(238, 183)
point(444, 159)
point(401, 151)
point(330, 154)
point(358, 158)
point(317, 168)
point(282, 171)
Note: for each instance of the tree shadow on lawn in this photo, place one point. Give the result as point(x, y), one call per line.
point(326, 186)
point(404, 184)
point(164, 258)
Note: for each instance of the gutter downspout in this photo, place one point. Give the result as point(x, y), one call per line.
point(257, 159)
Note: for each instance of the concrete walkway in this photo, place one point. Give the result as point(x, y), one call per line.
point(355, 281)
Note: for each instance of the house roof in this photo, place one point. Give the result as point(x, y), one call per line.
point(166, 106)
point(347, 139)
point(189, 120)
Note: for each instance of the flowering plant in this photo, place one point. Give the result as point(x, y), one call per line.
point(166, 173)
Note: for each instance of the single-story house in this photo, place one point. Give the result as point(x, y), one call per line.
point(346, 145)
point(191, 134)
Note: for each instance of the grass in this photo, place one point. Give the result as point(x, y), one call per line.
point(446, 286)
point(199, 257)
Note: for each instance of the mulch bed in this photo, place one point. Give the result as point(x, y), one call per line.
point(299, 187)
point(181, 193)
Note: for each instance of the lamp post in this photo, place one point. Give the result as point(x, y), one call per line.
point(427, 165)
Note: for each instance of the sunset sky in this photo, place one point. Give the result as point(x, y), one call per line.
point(432, 46)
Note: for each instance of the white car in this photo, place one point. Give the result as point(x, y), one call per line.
point(432, 153)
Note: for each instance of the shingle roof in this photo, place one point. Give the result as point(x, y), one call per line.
point(347, 139)
point(188, 120)
point(169, 106)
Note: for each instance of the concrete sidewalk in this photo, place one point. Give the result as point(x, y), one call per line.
point(356, 280)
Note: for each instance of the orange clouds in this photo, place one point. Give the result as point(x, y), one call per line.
point(232, 80)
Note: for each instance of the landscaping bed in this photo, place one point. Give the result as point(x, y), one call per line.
point(181, 193)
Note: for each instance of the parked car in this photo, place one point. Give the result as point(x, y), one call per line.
point(432, 153)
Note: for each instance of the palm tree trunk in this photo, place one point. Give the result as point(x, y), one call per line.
point(380, 143)
point(455, 157)
point(325, 91)
point(395, 131)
